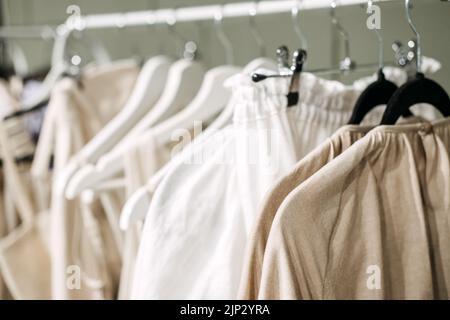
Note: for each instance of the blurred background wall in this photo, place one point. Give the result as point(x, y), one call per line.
point(432, 18)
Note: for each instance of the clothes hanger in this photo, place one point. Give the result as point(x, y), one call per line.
point(18, 59)
point(137, 205)
point(58, 66)
point(296, 24)
point(347, 64)
point(377, 93)
point(183, 82)
point(283, 51)
point(211, 98)
point(63, 65)
point(59, 62)
point(147, 90)
point(255, 31)
point(261, 62)
point(418, 90)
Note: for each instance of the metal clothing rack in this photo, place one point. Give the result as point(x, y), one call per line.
point(78, 22)
point(164, 16)
point(202, 13)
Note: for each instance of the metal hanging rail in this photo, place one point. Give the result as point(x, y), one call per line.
point(202, 13)
point(77, 21)
point(164, 16)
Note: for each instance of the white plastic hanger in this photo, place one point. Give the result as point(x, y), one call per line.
point(212, 97)
point(58, 66)
point(148, 88)
point(183, 82)
point(208, 102)
point(111, 164)
point(18, 58)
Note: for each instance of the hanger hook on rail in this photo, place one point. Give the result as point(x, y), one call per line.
point(171, 22)
point(226, 43)
point(347, 63)
point(369, 10)
point(408, 7)
point(74, 21)
point(294, 15)
point(254, 29)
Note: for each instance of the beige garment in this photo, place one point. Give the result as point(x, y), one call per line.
point(324, 153)
point(21, 143)
point(24, 260)
point(94, 262)
point(305, 168)
point(75, 114)
point(371, 224)
point(17, 144)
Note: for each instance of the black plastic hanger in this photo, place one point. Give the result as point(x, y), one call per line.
point(418, 90)
point(377, 93)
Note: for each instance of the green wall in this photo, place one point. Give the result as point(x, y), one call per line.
point(432, 18)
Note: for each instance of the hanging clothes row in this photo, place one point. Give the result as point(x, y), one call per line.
point(169, 180)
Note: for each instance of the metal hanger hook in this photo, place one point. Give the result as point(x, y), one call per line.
point(226, 43)
point(171, 22)
point(294, 15)
point(379, 36)
point(254, 29)
point(347, 62)
point(408, 7)
point(152, 18)
point(74, 21)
